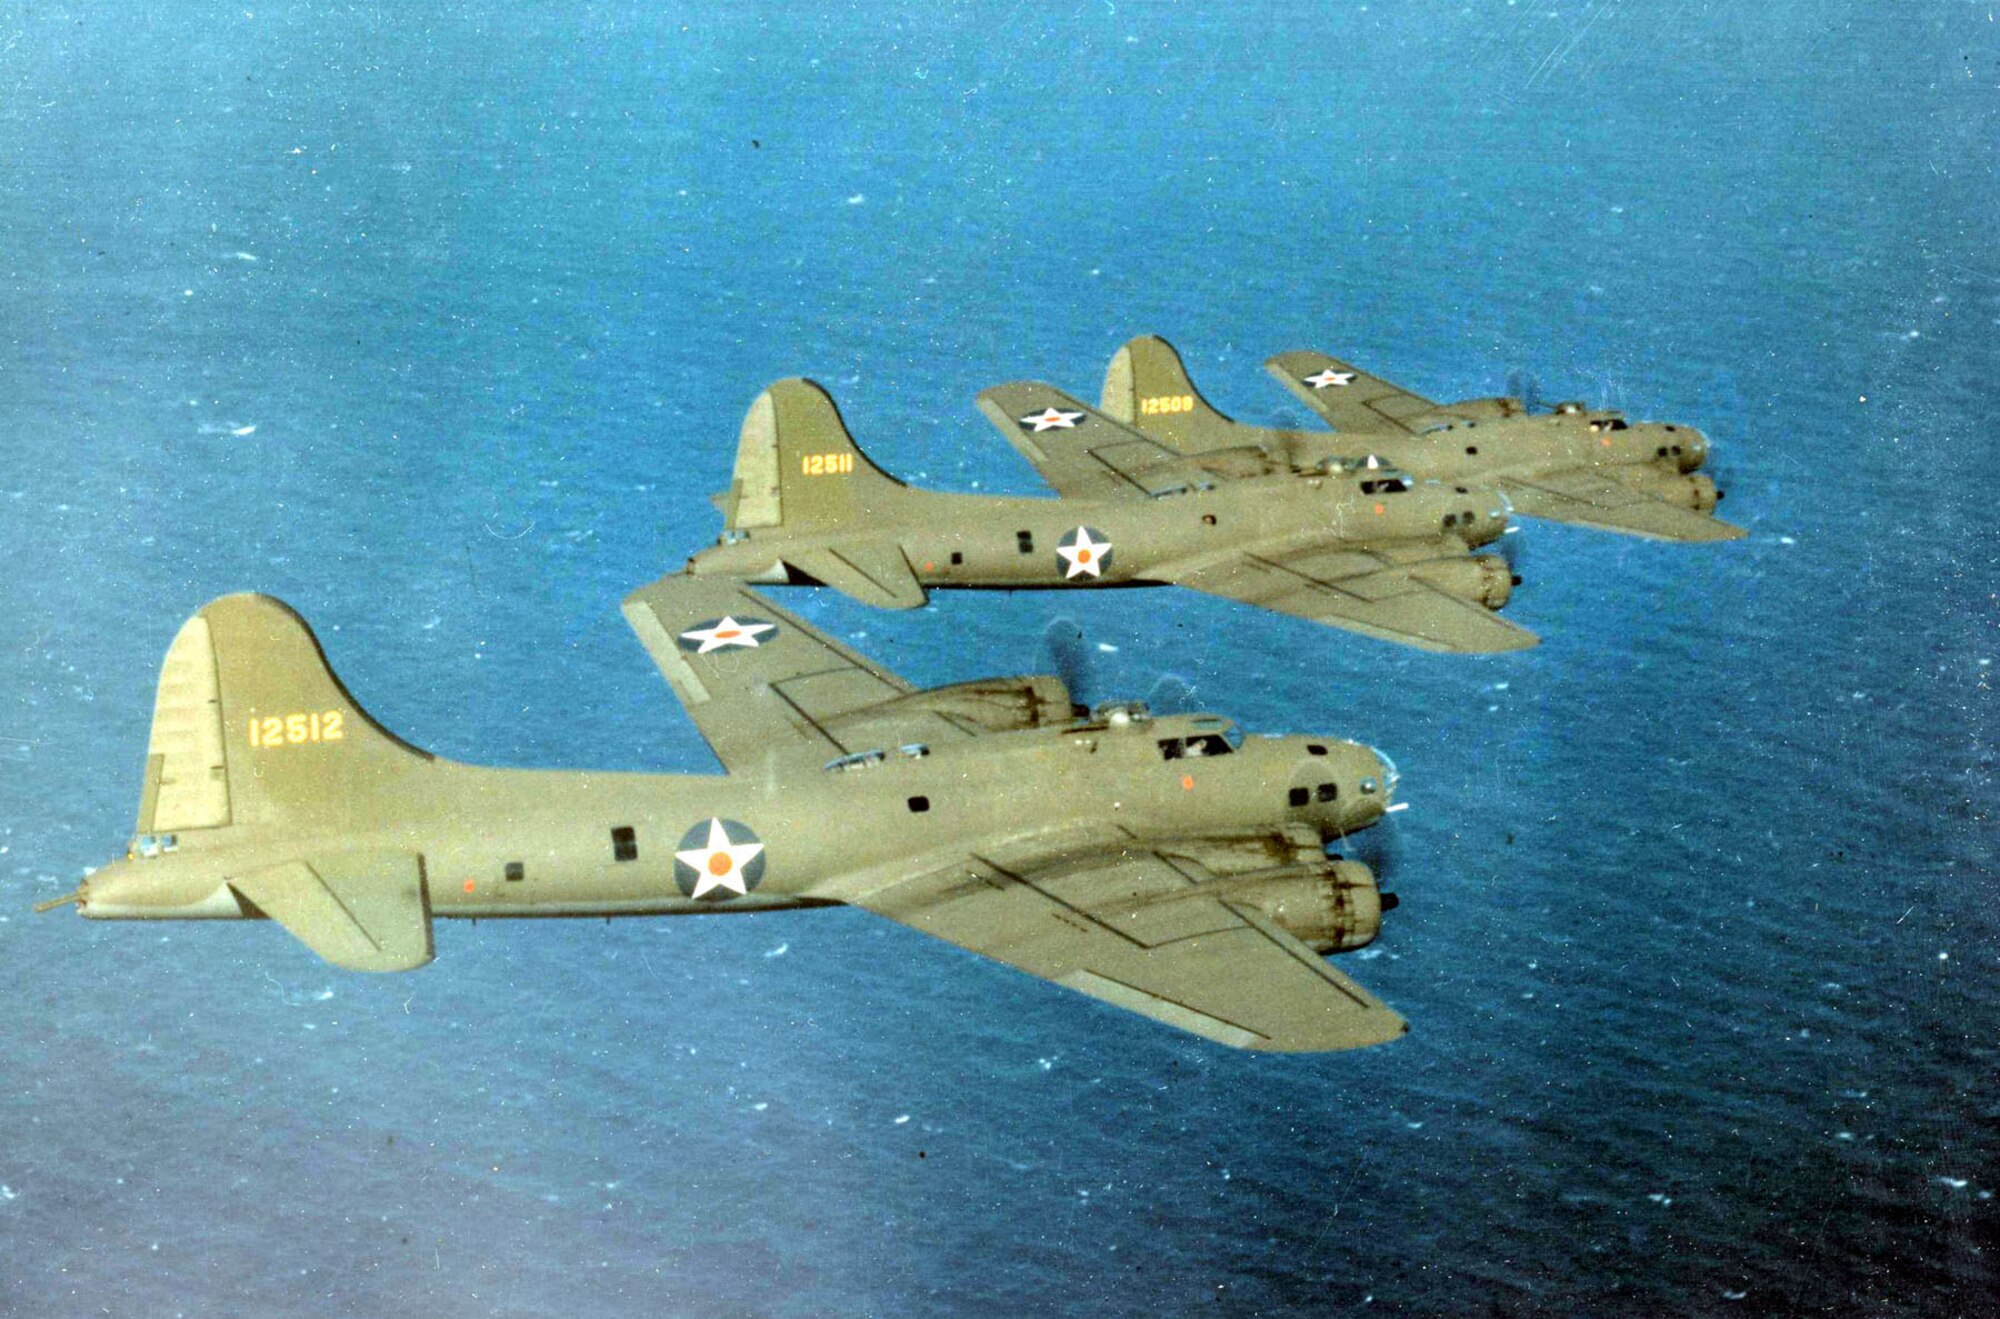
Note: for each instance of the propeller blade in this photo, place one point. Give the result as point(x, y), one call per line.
point(1069, 656)
point(1172, 694)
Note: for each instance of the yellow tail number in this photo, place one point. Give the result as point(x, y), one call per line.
point(826, 464)
point(278, 730)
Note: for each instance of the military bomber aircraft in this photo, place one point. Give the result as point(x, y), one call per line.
point(1166, 865)
point(1571, 464)
point(1351, 544)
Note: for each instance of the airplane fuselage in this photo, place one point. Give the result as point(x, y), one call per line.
point(1492, 450)
point(1012, 541)
point(513, 843)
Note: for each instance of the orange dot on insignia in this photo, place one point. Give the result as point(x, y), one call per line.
point(1083, 556)
point(470, 885)
point(727, 634)
point(719, 863)
point(1187, 781)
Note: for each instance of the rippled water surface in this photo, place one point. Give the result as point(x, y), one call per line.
point(440, 328)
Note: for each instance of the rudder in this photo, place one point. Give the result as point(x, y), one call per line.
point(1147, 386)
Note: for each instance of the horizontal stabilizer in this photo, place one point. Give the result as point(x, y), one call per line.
point(875, 574)
point(365, 911)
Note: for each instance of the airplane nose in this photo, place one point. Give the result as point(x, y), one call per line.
point(1378, 779)
point(1390, 778)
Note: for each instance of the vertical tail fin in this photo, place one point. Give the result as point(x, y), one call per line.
point(250, 727)
point(797, 466)
point(1147, 386)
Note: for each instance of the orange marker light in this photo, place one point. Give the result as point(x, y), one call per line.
point(469, 886)
point(1380, 509)
point(1187, 782)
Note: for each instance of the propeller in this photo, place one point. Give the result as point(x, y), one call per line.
point(1380, 848)
point(1172, 694)
point(1069, 656)
point(1070, 659)
point(1509, 548)
point(1524, 386)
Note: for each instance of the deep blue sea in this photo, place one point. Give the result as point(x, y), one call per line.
point(439, 321)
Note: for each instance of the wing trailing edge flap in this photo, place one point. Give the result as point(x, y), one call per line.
point(365, 911)
point(1591, 499)
point(1131, 927)
point(875, 574)
point(1359, 592)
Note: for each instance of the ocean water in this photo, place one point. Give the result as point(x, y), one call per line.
point(438, 322)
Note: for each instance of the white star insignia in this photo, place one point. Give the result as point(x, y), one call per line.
point(726, 632)
point(1052, 419)
point(1321, 379)
point(719, 863)
point(1084, 557)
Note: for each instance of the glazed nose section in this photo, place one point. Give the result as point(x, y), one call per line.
point(1377, 786)
point(1389, 775)
point(1369, 788)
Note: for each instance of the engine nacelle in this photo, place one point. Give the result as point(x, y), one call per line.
point(1237, 463)
point(1483, 579)
point(1498, 408)
point(991, 705)
point(1693, 490)
point(1334, 907)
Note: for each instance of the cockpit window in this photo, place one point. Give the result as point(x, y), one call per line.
point(1386, 485)
point(1201, 744)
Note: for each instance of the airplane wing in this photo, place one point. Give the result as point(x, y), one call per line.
point(1377, 592)
point(1594, 499)
point(1083, 453)
point(762, 683)
point(1132, 927)
point(1345, 396)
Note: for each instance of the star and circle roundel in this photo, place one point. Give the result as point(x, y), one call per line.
point(728, 633)
point(1083, 552)
point(719, 859)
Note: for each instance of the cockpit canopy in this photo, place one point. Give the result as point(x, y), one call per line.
point(1376, 476)
point(1208, 736)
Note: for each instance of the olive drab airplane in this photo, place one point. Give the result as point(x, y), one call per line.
point(1570, 464)
point(1166, 865)
point(1351, 544)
